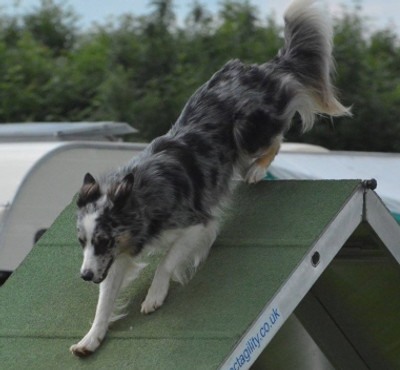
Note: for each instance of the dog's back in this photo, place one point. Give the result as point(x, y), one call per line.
point(236, 121)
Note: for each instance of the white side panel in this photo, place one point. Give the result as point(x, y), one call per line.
point(15, 162)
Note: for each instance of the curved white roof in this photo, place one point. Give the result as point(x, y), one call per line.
point(302, 147)
point(58, 131)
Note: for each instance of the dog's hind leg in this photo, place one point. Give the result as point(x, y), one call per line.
point(109, 290)
point(258, 168)
point(189, 250)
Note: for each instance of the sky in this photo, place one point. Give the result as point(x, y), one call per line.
point(380, 13)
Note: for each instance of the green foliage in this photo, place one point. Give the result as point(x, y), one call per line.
point(143, 69)
point(53, 25)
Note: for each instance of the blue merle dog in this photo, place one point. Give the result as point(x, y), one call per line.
point(169, 197)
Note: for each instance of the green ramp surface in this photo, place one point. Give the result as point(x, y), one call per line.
point(267, 230)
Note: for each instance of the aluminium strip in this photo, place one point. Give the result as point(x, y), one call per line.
point(284, 302)
point(383, 223)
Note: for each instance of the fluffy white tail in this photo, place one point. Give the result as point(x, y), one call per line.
point(307, 56)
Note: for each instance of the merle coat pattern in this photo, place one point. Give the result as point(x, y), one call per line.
point(169, 197)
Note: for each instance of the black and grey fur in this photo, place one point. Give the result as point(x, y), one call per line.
point(169, 196)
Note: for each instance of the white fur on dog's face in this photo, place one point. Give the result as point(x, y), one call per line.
point(98, 255)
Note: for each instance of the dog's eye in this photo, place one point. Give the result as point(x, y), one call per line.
point(101, 244)
point(102, 241)
point(82, 242)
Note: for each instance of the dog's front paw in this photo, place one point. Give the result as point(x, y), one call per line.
point(149, 305)
point(80, 351)
point(152, 302)
point(155, 296)
point(86, 346)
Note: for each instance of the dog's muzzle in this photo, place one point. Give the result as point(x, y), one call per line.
point(87, 275)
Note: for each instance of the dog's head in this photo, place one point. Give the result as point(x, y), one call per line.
point(106, 223)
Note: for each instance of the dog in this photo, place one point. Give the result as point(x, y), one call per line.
point(170, 196)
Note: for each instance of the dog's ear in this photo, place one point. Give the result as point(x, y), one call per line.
point(90, 191)
point(89, 179)
point(120, 193)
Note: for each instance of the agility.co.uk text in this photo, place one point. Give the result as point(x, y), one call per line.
point(254, 343)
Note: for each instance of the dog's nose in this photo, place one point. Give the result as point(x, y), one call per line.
point(87, 275)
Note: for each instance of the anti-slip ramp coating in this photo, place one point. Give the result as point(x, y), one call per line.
point(262, 265)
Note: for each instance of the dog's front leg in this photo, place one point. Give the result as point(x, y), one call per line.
point(109, 289)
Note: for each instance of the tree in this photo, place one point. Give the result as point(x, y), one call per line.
point(143, 69)
point(53, 25)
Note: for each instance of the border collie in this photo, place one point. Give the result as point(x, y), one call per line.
point(169, 197)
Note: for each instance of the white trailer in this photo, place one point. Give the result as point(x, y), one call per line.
point(38, 180)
